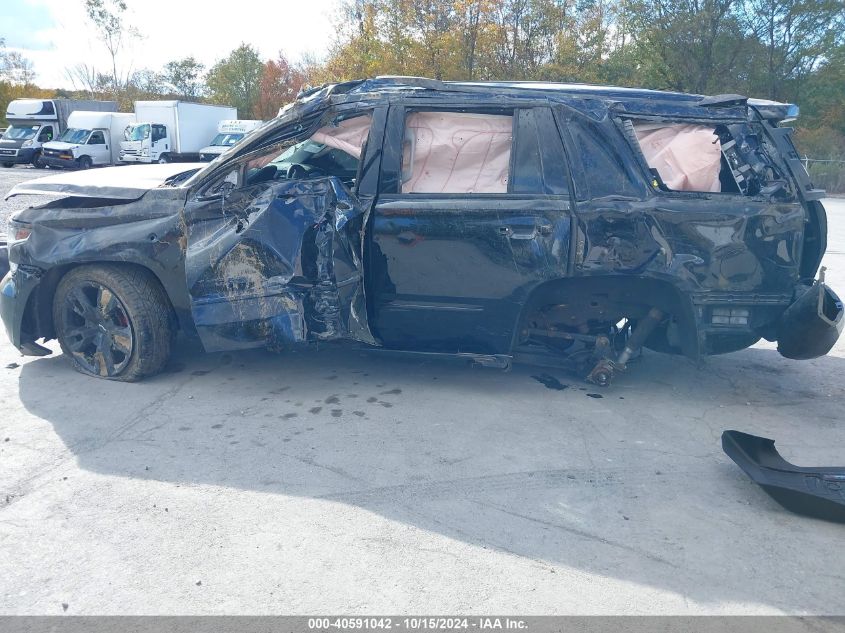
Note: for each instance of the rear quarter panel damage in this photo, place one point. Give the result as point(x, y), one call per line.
point(740, 246)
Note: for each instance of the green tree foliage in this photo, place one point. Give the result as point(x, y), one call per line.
point(792, 39)
point(184, 78)
point(236, 80)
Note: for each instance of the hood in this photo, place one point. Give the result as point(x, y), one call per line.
point(213, 149)
point(60, 145)
point(11, 143)
point(120, 183)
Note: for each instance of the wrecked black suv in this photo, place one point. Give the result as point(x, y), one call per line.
point(547, 223)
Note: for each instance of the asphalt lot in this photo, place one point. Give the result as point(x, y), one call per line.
point(345, 482)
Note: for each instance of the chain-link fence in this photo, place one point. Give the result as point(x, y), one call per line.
point(827, 174)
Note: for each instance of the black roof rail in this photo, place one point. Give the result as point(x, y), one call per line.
point(412, 82)
point(722, 101)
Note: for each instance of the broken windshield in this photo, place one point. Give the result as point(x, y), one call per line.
point(138, 132)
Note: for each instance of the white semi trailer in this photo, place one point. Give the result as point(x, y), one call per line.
point(170, 131)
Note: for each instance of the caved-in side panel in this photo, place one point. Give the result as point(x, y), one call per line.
point(277, 263)
point(703, 242)
point(744, 246)
point(736, 256)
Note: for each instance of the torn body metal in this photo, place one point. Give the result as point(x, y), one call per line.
point(289, 238)
point(811, 325)
point(817, 492)
point(277, 263)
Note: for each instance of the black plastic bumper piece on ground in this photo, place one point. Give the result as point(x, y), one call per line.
point(814, 492)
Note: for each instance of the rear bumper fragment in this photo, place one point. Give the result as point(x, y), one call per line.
point(814, 492)
point(810, 327)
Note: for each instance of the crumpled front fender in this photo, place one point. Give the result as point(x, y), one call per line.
point(277, 263)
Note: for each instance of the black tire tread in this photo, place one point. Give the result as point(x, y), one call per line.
point(148, 309)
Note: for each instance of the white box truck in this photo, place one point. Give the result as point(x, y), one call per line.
point(91, 139)
point(168, 131)
point(34, 122)
point(229, 133)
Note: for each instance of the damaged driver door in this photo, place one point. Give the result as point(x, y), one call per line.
point(273, 250)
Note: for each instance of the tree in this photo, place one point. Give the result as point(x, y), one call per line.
point(280, 83)
point(14, 67)
point(86, 79)
point(690, 45)
point(183, 77)
point(236, 80)
point(793, 38)
point(107, 16)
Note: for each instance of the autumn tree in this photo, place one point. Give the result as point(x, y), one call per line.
point(280, 83)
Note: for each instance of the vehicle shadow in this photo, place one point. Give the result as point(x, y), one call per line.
point(627, 482)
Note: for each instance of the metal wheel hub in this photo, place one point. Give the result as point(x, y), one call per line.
point(97, 330)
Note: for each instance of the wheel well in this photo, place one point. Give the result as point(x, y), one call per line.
point(39, 308)
point(581, 303)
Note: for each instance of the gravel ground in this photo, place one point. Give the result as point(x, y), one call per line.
point(8, 179)
point(342, 482)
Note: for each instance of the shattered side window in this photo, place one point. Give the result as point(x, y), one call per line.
point(333, 150)
point(717, 158)
point(687, 157)
point(456, 152)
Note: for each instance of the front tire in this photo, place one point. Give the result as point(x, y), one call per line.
point(37, 162)
point(163, 159)
point(113, 322)
point(8, 165)
point(85, 162)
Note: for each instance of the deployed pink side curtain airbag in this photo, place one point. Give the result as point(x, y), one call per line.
point(349, 135)
point(456, 152)
point(687, 157)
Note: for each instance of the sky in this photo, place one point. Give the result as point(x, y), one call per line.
point(55, 34)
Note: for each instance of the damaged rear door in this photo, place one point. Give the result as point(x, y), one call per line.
point(274, 244)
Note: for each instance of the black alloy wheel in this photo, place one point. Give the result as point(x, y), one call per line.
point(97, 330)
